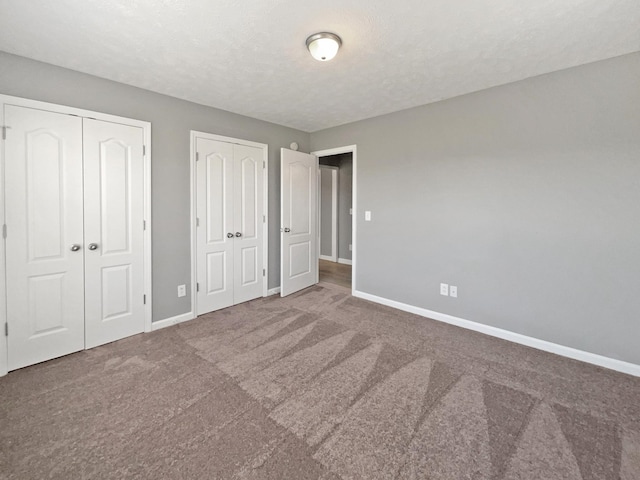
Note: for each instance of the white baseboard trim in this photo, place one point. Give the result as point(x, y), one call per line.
point(595, 359)
point(167, 322)
point(327, 257)
point(344, 261)
point(273, 291)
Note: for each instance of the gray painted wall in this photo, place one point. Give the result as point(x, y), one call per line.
point(344, 162)
point(345, 181)
point(171, 119)
point(525, 196)
point(326, 213)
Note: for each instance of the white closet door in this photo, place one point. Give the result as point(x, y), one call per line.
point(45, 294)
point(215, 232)
point(299, 204)
point(248, 223)
point(114, 248)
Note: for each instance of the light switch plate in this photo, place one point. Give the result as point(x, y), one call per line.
point(453, 291)
point(182, 290)
point(367, 216)
point(444, 289)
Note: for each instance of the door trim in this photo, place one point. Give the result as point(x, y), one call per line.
point(194, 134)
point(66, 110)
point(353, 149)
point(334, 216)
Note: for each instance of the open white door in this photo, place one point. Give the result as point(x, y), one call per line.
point(299, 239)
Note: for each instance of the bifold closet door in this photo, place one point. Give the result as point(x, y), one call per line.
point(113, 231)
point(229, 210)
point(248, 222)
point(44, 245)
point(215, 234)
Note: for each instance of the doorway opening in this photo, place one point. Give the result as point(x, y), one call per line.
point(336, 207)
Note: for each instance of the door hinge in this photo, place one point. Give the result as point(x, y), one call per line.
point(264, 272)
point(264, 164)
point(144, 299)
point(4, 132)
point(6, 329)
point(197, 287)
point(197, 156)
point(144, 224)
point(197, 222)
point(144, 150)
point(264, 219)
point(4, 231)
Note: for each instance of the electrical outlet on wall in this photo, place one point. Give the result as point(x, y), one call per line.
point(453, 291)
point(444, 289)
point(182, 290)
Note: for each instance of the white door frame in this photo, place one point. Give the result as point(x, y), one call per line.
point(265, 206)
point(52, 107)
point(353, 150)
point(334, 216)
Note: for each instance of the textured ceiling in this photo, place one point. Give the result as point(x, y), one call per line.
point(249, 56)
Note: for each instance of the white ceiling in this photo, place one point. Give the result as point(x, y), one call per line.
point(249, 56)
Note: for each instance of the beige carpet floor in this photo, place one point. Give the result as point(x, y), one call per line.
point(319, 385)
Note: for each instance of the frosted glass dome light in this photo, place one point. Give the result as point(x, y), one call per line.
point(323, 46)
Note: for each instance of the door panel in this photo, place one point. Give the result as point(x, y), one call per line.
point(115, 187)
point(214, 209)
point(217, 273)
point(46, 312)
point(114, 213)
point(248, 222)
point(116, 290)
point(299, 221)
point(43, 188)
point(249, 271)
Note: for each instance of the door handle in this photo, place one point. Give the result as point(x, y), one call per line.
point(75, 247)
point(287, 230)
point(229, 235)
point(93, 246)
point(238, 234)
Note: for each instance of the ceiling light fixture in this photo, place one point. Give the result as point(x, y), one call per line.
point(323, 46)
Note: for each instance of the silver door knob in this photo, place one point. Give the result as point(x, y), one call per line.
point(229, 235)
point(75, 247)
point(238, 234)
point(287, 230)
point(93, 246)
